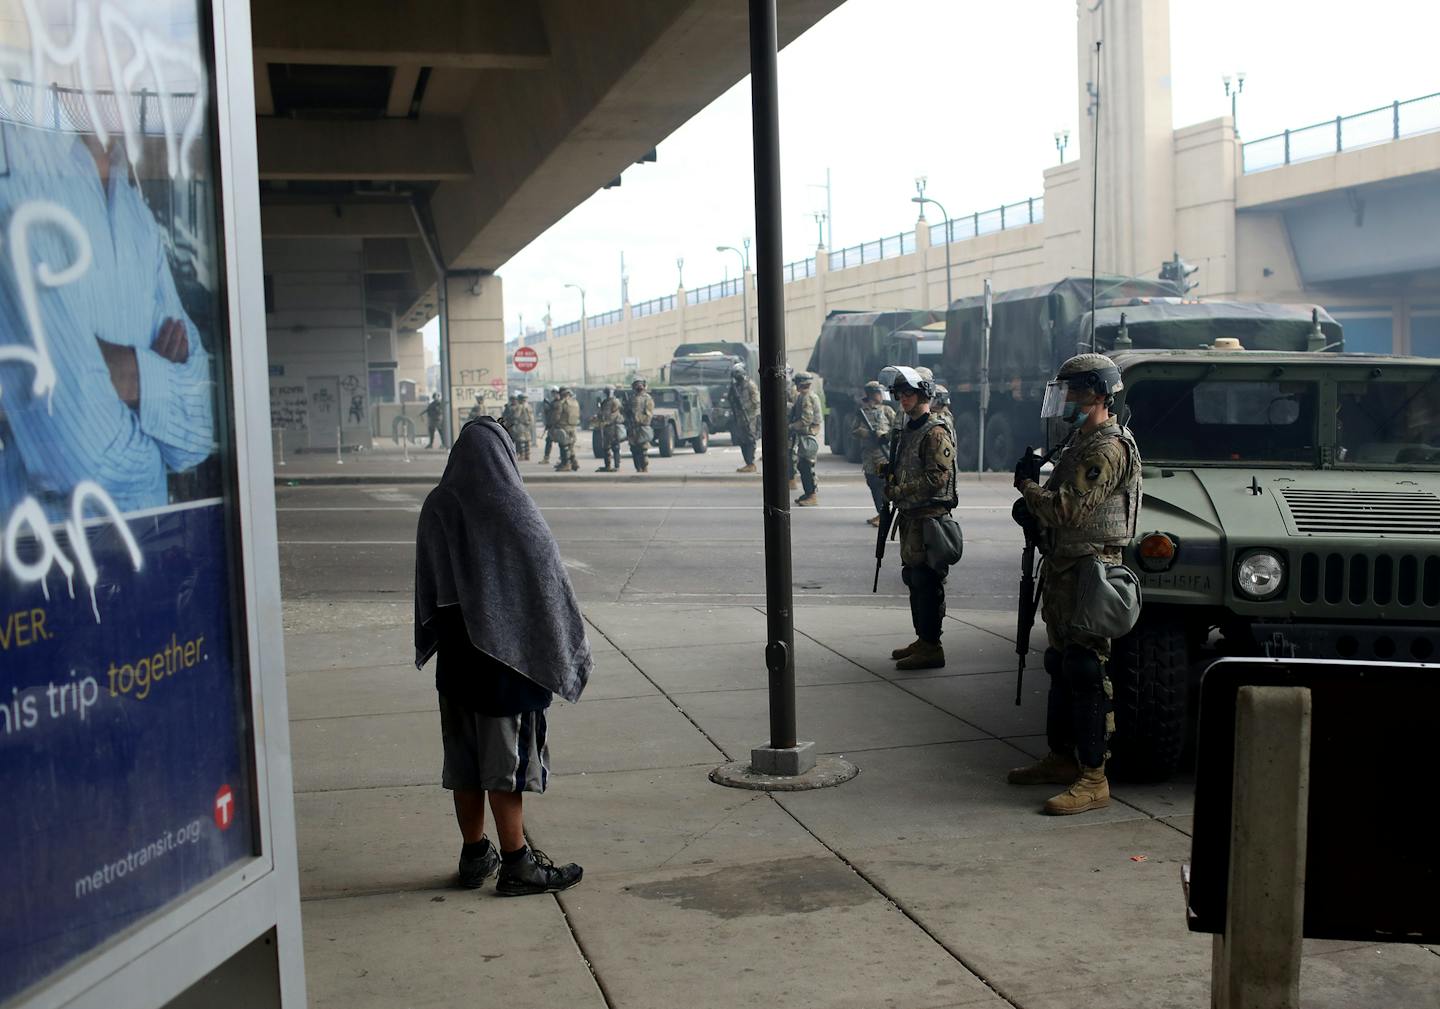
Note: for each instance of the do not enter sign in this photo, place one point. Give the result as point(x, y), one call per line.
point(526, 359)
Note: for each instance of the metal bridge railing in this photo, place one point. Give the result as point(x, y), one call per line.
point(985, 222)
point(654, 306)
point(1343, 133)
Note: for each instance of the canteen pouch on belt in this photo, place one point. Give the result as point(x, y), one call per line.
point(1107, 602)
point(944, 542)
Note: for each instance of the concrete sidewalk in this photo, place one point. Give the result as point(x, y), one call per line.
point(924, 883)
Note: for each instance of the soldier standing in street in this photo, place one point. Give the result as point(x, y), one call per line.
point(609, 420)
point(478, 410)
point(637, 425)
point(921, 485)
point(547, 417)
point(805, 419)
point(874, 426)
point(567, 419)
point(435, 420)
point(507, 416)
point(1087, 509)
point(744, 399)
point(522, 427)
point(941, 408)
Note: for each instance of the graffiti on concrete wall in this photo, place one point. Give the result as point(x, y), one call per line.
point(288, 405)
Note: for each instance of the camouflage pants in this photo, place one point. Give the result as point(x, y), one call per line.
point(1080, 714)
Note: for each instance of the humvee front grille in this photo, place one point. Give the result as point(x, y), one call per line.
point(1363, 513)
point(1401, 583)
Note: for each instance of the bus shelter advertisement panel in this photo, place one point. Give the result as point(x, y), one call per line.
point(125, 752)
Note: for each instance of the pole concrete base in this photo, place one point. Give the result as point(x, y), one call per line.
point(793, 769)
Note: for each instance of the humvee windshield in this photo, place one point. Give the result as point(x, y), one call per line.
point(1390, 423)
point(1225, 420)
point(667, 397)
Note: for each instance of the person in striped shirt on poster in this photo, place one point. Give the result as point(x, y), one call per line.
point(103, 375)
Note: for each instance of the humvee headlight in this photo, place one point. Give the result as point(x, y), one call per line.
point(1157, 552)
point(1260, 575)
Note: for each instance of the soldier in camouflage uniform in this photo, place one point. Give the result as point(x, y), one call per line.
point(522, 427)
point(743, 397)
point(1086, 509)
point(805, 420)
point(921, 484)
point(610, 420)
point(507, 416)
point(637, 425)
point(874, 426)
point(547, 417)
point(941, 408)
point(567, 419)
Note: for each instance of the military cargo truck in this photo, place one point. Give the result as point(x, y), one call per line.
point(1035, 329)
point(1291, 508)
point(709, 364)
point(851, 350)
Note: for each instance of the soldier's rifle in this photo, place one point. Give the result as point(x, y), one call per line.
point(888, 518)
point(1027, 468)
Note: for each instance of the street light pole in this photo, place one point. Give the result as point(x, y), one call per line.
point(1062, 141)
point(922, 199)
point(584, 355)
point(1234, 96)
point(744, 286)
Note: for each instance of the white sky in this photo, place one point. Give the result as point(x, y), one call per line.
point(966, 92)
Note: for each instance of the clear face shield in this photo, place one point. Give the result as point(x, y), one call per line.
point(1056, 393)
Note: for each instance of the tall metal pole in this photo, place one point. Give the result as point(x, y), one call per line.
point(744, 288)
point(922, 199)
point(774, 436)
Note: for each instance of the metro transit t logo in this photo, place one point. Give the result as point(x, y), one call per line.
point(224, 808)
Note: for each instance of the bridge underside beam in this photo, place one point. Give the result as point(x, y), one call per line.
point(470, 34)
point(381, 150)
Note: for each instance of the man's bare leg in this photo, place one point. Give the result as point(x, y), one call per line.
point(509, 819)
point(470, 814)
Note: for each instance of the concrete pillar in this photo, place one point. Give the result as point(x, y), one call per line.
point(477, 345)
point(1136, 193)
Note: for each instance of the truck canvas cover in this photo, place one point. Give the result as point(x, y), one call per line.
point(1188, 325)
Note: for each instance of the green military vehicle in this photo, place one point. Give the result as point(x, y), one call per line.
point(1291, 508)
point(682, 416)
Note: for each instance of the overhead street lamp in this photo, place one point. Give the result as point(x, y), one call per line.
point(1234, 95)
point(584, 357)
point(744, 284)
point(1062, 141)
point(922, 199)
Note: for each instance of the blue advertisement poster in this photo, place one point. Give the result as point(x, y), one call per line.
point(126, 759)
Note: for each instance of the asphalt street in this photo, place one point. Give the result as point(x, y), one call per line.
point(638, 541)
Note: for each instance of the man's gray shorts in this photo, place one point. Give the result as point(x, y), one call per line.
point(505, 753)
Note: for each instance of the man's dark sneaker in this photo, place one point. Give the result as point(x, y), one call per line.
point(474, 871)
point(535, 873)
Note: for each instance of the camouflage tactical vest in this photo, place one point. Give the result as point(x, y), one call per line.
point(1113, 523)
point(910, 463)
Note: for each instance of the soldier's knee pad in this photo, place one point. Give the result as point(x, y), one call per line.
point(1053, 661)
point(1083, 668)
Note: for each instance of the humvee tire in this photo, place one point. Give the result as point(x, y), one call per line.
point(1150, 675)
point(701, 442)
point(667, 441)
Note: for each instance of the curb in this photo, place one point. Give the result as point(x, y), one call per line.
point(406, 479)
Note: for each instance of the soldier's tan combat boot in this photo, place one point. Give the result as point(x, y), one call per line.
point(749, 467)
point(924, 655)
point(1051, 769)
point(1090, 791)
point(901, 653)
point(808, 500)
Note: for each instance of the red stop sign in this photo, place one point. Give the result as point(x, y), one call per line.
point(526, 359)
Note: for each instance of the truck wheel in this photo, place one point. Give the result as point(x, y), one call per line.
point(701, 443)
point(597, 444)
point(1150, 674)
point(852, 444)
point(967, 441)
point(1000, 450)
point(667, 441)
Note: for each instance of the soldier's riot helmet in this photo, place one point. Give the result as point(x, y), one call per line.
point(874, 389)
point(564, 390)
point(802, 379)
point(520, 396)
point(1082, 373)
point(925, 373)
point(608, 391)
point(737, 372)
point(638, 384)
point(942, 396)
point(903, 379)
point(554, 390)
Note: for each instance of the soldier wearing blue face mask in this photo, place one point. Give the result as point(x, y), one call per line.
point(1087, 509)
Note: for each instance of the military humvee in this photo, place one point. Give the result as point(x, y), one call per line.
point(683, 414)
point(1291, 508)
